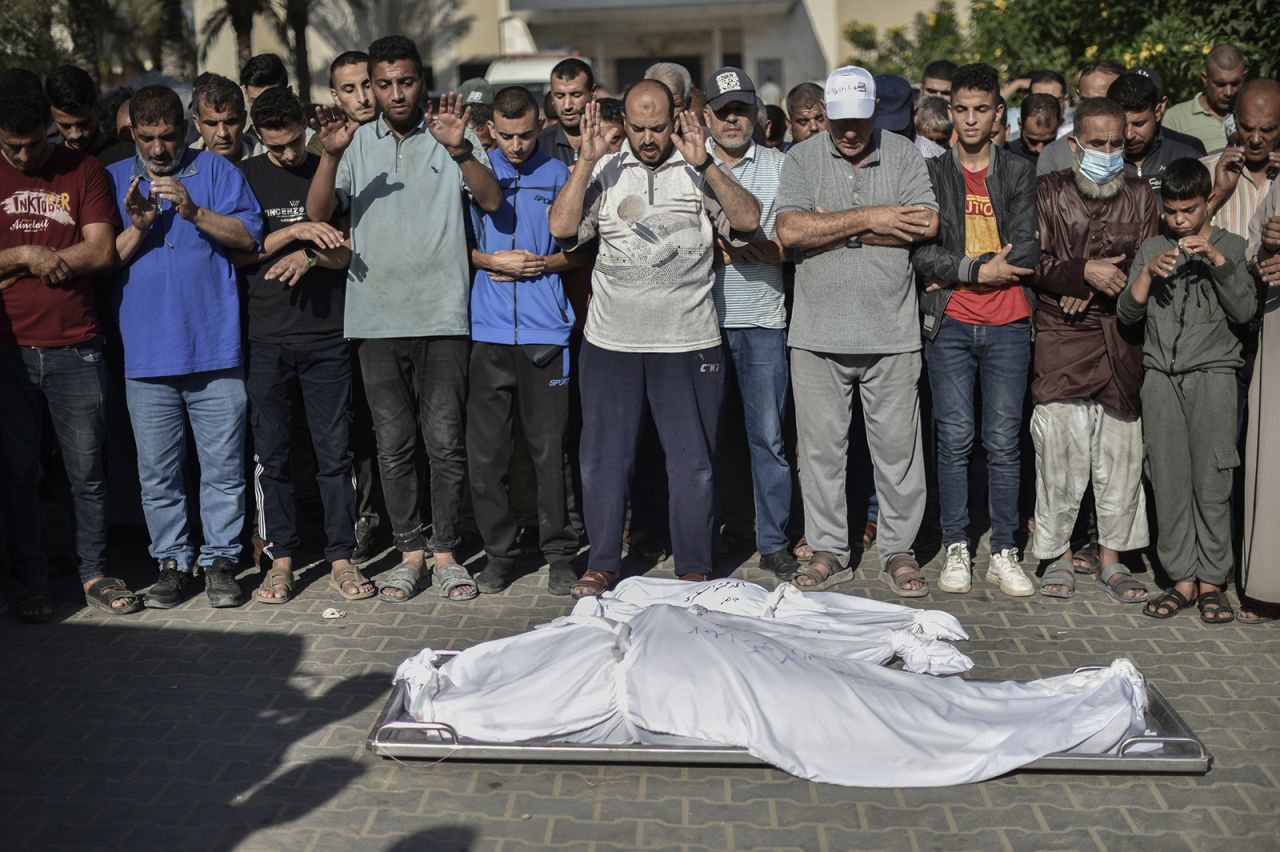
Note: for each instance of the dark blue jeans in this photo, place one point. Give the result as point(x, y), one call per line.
point(70, 380)
point(998, 357)
point(759, 358)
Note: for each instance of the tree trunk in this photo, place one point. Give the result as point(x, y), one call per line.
point(175, 53)
point(298, 15)
point(82, 18)
point(244, 42)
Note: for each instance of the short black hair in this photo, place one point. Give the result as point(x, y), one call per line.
point(548, 106)
point(71, 89)
point(265, 69)
point(1186, 179)
point(278, 109)
point(978, 77)
point(671, 99)
point(217, 92)
point(1134, 92)
point(480, 113)
point(111, 103)
point(513, 102)
point(24, 107)
point(1048, 75)
point(940, 69)
point(804, 96)
point(157, 105)
point(349, 57)
point(777, 122)
point(394, 48)
point(610, 110)
point(1043, 106)
point(1104, 107)
point(568, 69)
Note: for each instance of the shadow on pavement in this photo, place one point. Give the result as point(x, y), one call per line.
point(135, 736)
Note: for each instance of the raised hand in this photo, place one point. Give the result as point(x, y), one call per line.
point(1104, 276)
point(594, 142)
point(998, 272)
point(140, 208)
point(171, 189)
point(449, 124)
point(1162, 265)
point(1227, 173)
point(690, 138)
point(334, 129)
point(1196, 244)
point(321, 234)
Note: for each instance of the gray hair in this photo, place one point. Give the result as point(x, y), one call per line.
point(675, 77)
point(934, 116)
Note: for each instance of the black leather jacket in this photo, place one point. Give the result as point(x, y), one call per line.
point(1011, 185)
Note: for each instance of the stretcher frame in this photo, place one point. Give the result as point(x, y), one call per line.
point(1170, 748)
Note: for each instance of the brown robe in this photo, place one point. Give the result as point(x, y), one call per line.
point(1089, 356)
point(1260, 553)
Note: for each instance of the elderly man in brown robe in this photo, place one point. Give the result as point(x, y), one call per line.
point(1087, 370)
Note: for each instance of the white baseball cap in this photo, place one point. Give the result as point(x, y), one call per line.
point(850, 93)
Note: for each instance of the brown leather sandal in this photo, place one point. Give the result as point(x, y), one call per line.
point(593, 583)
point(694, 577)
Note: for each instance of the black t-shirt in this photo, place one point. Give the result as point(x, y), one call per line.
point(312, 309)
point(113, 151)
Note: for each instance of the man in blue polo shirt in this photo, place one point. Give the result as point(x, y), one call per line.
point(179, 317)
point(520, 324)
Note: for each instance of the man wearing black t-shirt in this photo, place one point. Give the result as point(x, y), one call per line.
point(295, 289)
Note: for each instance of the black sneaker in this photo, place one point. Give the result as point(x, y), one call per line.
point(497, 575)
point(781, 563)
point(366, 538)
point(562, 577)
point(220, 583)
point(170, 589)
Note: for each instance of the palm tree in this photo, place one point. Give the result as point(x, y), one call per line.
point(175, 53)
point(239, 14)
point(83, 19)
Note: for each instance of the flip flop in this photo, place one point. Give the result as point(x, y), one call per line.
point(1060, 573)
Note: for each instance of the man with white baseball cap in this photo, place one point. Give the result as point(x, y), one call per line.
point(851, 203)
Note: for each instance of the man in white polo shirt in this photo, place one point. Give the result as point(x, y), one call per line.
point(651, 332)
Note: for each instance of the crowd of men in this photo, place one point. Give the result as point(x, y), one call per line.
point(557, 300)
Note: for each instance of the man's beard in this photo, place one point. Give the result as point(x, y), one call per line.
point(734, 150)
point(165, 169)
point(1097, 191)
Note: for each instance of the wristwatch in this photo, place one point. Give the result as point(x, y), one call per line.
point(706, 164)
point(462, 156)
point(312, 258)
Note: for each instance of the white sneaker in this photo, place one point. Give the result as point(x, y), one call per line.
point(956, 576)
point(1006, 572)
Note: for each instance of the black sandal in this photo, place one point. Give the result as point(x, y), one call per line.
point(1167, 605)
point(1214, 608)
point(105, 591)
point(34, 608)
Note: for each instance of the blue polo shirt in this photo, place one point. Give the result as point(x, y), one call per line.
point(176, 301)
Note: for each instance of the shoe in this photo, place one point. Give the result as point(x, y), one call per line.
point(170, 589)
point(562, 577)
point(1006, 572)
point(781, 563)
point(220, 584)
point(957, 576)
point(366, 536)
point(497, 575)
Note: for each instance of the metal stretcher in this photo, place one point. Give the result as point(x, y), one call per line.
point(1169, 747)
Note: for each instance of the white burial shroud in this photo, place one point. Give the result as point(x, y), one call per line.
point(796, 679)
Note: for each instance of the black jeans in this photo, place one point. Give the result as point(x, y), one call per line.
point(412, 383)
point(684, 391)
point(364, 449)
point(71, 381)
point(504, 381)
point(322, 372)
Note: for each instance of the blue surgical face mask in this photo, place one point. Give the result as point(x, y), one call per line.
point(1100, 167)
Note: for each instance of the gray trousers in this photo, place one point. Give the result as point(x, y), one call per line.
point(1191, 451)
point(823, 385)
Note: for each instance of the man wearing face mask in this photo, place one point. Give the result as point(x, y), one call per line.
point(178, 311)
point(749, 298)
point(651, 333)
point(1093, 82)
point(1087, 371)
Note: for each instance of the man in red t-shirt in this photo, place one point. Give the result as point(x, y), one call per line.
point(57, 228)
point(977, 324)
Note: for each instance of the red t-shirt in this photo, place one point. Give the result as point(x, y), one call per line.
point(49, 208)
point(979, 304)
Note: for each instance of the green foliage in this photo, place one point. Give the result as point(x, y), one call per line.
point(26, 36)
point(1020, 36)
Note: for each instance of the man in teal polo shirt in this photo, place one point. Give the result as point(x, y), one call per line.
point(400, 179)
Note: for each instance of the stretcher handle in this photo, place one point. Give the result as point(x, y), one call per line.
point(442, 728)
point(1132, 742)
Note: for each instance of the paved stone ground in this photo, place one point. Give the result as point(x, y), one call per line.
point(244, 729)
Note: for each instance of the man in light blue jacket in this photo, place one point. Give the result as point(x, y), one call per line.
point(520, 323)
